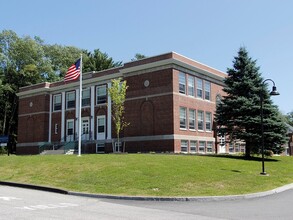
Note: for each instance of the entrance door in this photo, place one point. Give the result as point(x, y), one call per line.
point(85, 123)
point(101, 127)
point(70, 130)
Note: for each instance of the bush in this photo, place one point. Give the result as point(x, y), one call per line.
point(268, 153)
point(3, 150)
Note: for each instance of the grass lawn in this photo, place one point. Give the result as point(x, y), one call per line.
point(149, 174)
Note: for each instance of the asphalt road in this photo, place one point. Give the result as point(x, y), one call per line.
point(19, 203)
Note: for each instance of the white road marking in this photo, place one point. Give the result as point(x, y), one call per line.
point(8, 198)
point(48, 206)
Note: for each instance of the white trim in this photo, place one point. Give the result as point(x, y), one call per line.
point(109, 115)
point(92, 112)
point(30, 144)
point(30, 114)
point(63, 116)
point(169, 137)
point(50, 119)
point(77, 110)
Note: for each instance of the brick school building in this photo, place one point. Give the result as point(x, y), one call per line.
point(170, 106)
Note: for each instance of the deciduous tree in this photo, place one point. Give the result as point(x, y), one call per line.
point(117, 93)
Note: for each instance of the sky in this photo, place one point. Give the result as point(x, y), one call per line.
point(208, 31)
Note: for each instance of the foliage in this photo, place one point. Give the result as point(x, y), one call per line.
point(117, 93)
point(138, 56)
point(238, 115)
point(149, 174)
point(289, 118)
point(25, 61)
point(97, 61)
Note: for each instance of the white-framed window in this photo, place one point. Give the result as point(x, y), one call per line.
point(201, 146)
point(182, 83)
point(208, 121)
point(200, 120)
point(190, 85)
point(209, 147)
point(184, 146)
point(191, 119)
point(57, 102)
point(101, 94)
point(193, 147)
point(70, 100)
point(199, 88)
point(86, 97)
point(207, 90)
point(183, 117)
point(101, 127)
point(70, 130)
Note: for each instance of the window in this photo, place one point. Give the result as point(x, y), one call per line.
point(218, 100)
point(207, 90)
point(199, 88)
point(208, 121)
point(201, 147)
point(101, 94)
point(200, 120)
point(191, 119)
point(182, 83)
point(209, 147)
point(70, 100)
point(57, 102)
point(193, 147)
point(86, 97)
point(184, 146)
point(191, 85)
point(182, 117)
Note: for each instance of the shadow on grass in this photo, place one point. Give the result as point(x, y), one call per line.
point(238, 157)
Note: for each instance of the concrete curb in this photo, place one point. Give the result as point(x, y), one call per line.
point(153, 198)
point(35, 187)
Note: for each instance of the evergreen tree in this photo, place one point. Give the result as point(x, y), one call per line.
point(238, 115)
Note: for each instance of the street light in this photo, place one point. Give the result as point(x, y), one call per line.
point(274, 92)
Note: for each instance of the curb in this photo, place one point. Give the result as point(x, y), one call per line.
point(35, 187)
point(153, 198)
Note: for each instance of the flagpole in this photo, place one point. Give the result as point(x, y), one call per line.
point(79, 111)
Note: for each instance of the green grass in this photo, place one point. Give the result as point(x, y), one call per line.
point(149, 174)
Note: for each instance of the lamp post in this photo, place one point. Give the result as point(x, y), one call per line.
point(274, 92)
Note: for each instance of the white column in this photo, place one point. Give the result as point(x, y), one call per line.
point(50, 119)
point(76, 112)
point(109, 115)
point(63, 117)
point(93, 112)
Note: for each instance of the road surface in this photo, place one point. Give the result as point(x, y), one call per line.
point(19, 203)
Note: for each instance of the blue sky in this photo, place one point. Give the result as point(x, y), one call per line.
point(209, 31)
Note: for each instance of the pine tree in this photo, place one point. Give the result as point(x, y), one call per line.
point(238, 115)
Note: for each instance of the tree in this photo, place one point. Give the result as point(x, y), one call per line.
point(289, 118)
point(98, 61)
point(117, 93)
point(25, 61)
point(138, 56)
point(238, 115)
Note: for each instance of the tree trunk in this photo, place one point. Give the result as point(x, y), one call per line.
point(247, 149)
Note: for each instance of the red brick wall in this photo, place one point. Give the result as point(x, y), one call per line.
point(33, 119)
point(149, 109)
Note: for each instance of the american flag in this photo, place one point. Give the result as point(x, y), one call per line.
point(73, 72)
